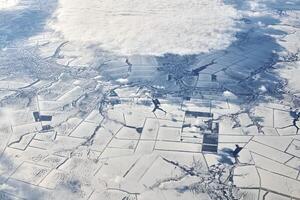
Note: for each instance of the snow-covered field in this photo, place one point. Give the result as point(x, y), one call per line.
point(143, 100)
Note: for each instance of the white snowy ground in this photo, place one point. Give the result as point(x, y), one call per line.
point(94, 67)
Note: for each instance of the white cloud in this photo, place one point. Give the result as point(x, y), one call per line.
point(7, 4)
point(229, 95)
point(122, 80)
point(263, 88)
point(151, 27)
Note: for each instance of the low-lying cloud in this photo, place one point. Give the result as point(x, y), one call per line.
point(7, 4)
point(147, 27)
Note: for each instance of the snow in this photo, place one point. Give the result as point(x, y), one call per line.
point(279, 183)
point(280, 143)
point(174, 146)
point(261, 149)
point(229, 95)
point(30, 173)
point(267, 164)
point(246, 176)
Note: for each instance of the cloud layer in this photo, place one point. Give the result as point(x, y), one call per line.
point(7, 4)
point(148, 27)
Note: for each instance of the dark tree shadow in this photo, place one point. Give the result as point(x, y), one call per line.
point(225, 156)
